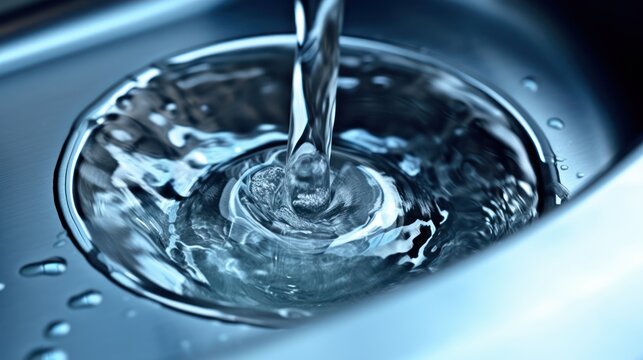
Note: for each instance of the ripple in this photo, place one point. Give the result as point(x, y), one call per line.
point(179, 194)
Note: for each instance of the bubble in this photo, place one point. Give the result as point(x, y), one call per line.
point(157, 119)
point(267, 127)
point(205, 108)
point(564, 167)
point(131, 313)
point(2, 286)
point(580, 175)
point(121, 135)
point(171, 109)
point(383, 81)
point(529, 83)
point(50, 267)
point(125, 103)
point(350, 61)
point(84, 300)
point(197, 160)
point(307, 183)
point(57, 329)
point(347, 83)
point(556, 123)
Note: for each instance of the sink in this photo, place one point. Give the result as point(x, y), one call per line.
point(567, 286)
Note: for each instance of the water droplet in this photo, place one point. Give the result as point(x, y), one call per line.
point(87, 299)
point(57, 329)
point(61, 235)
point(564, 167)
point(556, 123)
point(131, 313)
point(48, 353)
point(223, 337)
point(53, 266)
point(2, 286)
point(580, 175)
point(529, 83)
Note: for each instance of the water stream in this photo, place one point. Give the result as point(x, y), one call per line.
point(314, 87)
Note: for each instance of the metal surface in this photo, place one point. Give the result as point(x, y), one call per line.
point(51, 82)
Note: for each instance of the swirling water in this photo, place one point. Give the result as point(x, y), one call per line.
point(174, 179)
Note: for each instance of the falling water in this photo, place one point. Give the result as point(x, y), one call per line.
point(314, 88)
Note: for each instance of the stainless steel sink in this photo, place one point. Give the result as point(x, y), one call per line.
point(567, 287)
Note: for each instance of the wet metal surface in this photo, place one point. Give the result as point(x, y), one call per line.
point(40, 102)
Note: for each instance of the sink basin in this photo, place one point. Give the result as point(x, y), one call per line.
point(567, 286)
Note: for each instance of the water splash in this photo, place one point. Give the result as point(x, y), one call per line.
point(314, 88)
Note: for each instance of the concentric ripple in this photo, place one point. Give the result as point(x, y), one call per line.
point(173, 182)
